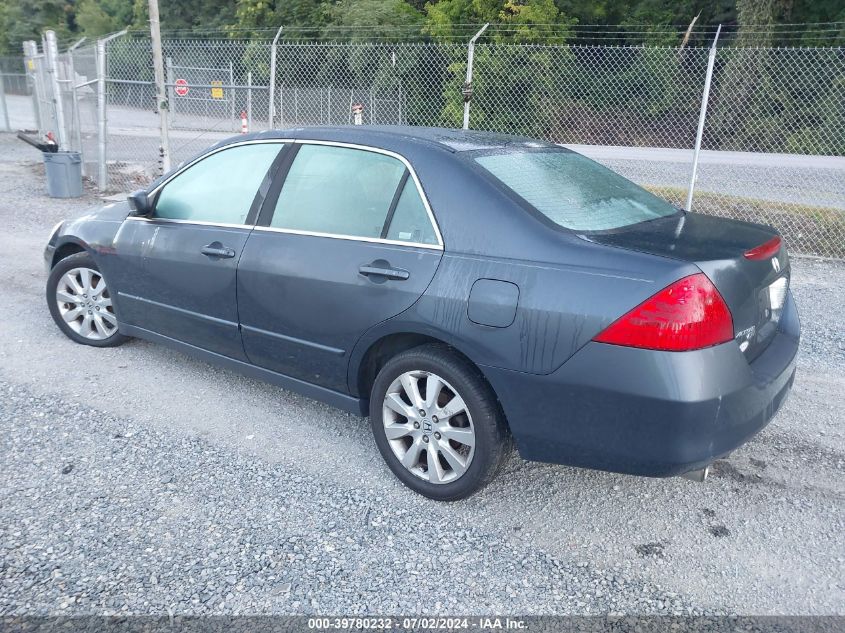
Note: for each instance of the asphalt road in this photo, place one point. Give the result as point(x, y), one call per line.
point(137, 480)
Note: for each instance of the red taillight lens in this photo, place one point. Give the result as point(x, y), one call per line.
point(689, 314)
point(764, 251)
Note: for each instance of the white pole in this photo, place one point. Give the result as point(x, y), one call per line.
point(52, 55)
point(272, 106)
point(102, 172)
point(711, 61)
point(467, 91)
point(161, 93)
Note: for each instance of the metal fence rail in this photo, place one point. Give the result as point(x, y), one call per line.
point(772, 142)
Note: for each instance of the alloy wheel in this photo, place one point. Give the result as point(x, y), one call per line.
point(428, 427)
point(85, 304)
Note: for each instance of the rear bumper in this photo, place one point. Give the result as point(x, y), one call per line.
point(648, 413)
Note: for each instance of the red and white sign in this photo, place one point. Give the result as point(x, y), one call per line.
point(181, 88)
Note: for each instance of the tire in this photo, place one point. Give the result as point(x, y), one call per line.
point(443, 466)
point(78, 279)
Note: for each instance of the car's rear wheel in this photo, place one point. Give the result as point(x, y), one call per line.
point(437, 423)
point(81, 302)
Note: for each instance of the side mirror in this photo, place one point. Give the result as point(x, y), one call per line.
point(139, 203)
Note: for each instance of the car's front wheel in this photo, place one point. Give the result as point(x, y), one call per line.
point(81, 302)
point(437, 423)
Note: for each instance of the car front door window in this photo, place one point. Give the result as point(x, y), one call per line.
point(218, 189)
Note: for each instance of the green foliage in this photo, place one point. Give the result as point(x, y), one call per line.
point(97, 17)
point(27, 19)
point(779, 100)
point(369, 14)
point(22, 20)
point(270, 14)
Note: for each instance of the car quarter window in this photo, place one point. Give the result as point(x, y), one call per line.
point(346, 191)
point(219, 188)
point(410, 222)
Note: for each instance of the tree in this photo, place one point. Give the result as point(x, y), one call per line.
point(267, 14)
point(22, 20)
point(97, 17)
point(373, 19)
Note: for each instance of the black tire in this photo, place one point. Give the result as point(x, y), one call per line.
point(78, 260)
point(491, 438)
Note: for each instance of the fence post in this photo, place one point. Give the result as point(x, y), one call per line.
point(3, 104)
point(272, 106)
point(467, 91)
point(102, 172)
point(74, 114)
point(171, 96)
point(249, 99)
point(30, 52)
point(232, 96)
point(705, 97)
point(52, 55)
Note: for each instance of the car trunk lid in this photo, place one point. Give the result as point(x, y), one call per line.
point(754, 289)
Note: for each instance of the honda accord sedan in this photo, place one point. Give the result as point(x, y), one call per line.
point(462, 289)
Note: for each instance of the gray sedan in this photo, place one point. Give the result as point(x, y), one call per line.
point(461, 288)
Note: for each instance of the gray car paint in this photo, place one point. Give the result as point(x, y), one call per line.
point(570, 287)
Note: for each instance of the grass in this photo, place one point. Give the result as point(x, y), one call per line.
point(807, 229)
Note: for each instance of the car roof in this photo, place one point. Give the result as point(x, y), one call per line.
point(452, 140)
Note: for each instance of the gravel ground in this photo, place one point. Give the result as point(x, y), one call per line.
point(137, 480)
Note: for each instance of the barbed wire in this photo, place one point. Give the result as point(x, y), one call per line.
point(829, 34)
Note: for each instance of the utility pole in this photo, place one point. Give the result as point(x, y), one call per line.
point(161, 91)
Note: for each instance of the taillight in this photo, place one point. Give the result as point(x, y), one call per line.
point(765, 250)
point(689, 314)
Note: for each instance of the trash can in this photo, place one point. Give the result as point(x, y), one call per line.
point(64, 174)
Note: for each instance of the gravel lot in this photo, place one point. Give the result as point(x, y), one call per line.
point(136, 480)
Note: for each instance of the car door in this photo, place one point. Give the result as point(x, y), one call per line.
point(179, 264)
point(344, 241)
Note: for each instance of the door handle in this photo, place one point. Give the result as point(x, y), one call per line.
point(379, 269)
point(216, 249)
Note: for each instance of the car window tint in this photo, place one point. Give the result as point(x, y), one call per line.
point(410, 221)
point(574, 191)
point(338, 190)
point(219, 188)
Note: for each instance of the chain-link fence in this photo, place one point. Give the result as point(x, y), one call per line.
point(772, 142)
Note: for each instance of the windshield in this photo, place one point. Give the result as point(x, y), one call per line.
point(574, 191)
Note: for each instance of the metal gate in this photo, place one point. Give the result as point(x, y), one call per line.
point(202, 98)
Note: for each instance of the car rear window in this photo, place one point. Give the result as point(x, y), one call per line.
point(574, 191)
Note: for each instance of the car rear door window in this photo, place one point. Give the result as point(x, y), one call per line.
point(574, 191)
point(219, 188)
point(410, 222)
point(338, 191)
